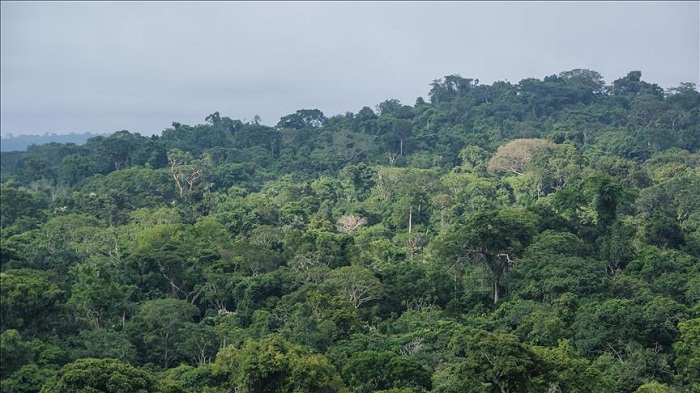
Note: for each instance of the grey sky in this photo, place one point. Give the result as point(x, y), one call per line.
point(107, 66)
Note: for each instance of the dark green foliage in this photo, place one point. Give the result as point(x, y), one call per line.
point(272, 364)
point(191, 379)
point(548, 276)
point(158, 327)
point(28, 299)
point(15, 352)
point(28, 379)
point(687, 351)
point(491, 362)
point(101, 375)
point(18, 205)
point(372, 370)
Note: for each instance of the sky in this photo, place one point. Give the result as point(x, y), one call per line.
point(101, 67)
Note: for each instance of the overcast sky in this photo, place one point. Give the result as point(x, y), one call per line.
point(108, 66)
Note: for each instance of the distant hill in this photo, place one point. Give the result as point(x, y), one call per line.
point(21, 142)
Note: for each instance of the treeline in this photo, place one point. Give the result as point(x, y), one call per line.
point(21, 142)
point(533, 237)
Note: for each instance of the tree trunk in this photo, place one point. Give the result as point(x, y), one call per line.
point(496, 281)
point(495, 291)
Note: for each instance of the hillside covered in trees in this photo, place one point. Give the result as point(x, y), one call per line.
point(542, 236)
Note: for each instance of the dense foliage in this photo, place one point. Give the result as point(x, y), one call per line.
point(542, 236)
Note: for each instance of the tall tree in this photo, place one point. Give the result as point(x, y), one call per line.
point(494, 239)
point(156, 329)
point(186, 170)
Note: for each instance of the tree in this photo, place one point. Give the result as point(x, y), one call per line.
point(366, 121)
point(554, 166)
point(584, 85)
point(606, 326)
point(514, 155)
point(156, 328)
point(186, 170)
point(687, 351)
point(362, 178)
point(191, 379)
point(214, 118)
point(474, 160)
point(492, 362)
point(15, 352)
point(402, 129)
point(29, 298)
point(303, 118)
point(113, 196)
point(591, 203)
point(450, 87)
point(28, 379)
point(547, 275)
point(494, 239)
point(199, 342)
point(668, 272)
point(74, 168)
point(117, 150)
point(17, 204)
point(101, 375)
point(393, 108)
point(663, 232)
point(673, 195)
point(272, 364)
point(632, 84)
point(174, 258)
point(653, 387)
point(374, 370)
point(356, 284)
point(349, 223)
point(604, 195)
point(99, 293)
point(565, 371)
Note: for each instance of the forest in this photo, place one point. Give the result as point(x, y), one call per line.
point(539, 236)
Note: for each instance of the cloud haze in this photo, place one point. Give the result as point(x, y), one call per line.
point(107, 66)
